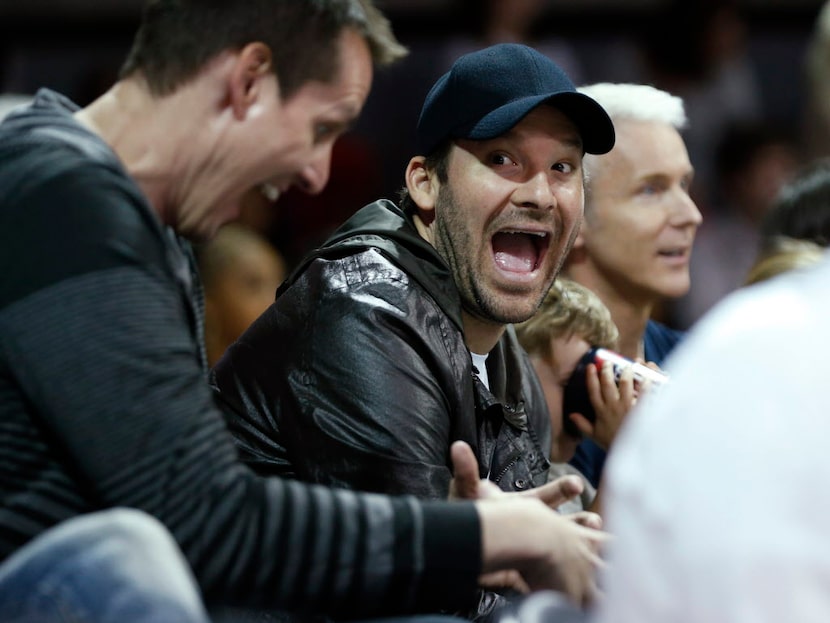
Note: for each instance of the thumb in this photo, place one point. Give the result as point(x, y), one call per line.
point(465, 480)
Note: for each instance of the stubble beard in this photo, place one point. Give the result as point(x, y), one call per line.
point(454, 243)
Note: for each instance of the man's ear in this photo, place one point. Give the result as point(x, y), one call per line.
point(249, 73)
point(423, 188)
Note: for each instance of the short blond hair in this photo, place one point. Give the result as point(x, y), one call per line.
point(569, 309)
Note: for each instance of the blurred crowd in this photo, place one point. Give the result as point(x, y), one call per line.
point(754, 111)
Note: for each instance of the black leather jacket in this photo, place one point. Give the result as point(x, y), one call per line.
point(358, 375)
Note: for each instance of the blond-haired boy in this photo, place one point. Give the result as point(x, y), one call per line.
point(571, 320)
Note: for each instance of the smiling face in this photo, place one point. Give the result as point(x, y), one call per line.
point(554, 371)
point(508, 214)
point(277, 144)
point(640, 222)
point(312, 119)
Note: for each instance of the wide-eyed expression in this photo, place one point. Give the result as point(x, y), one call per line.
point(508, 214)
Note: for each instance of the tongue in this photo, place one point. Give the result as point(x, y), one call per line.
point(514, 252)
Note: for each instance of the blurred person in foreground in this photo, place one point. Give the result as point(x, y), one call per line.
point(635, 242)
point(699, 535)
point(103, 394)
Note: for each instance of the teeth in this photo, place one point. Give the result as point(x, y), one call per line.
point(540, 234)
point(270, 192)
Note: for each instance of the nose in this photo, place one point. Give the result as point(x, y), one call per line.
point(685, 211)
point(535, 192)
point(314, 177)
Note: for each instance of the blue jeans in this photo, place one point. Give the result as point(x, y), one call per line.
point(116, 566)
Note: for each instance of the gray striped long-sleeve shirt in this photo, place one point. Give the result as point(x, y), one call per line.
point(104, 402)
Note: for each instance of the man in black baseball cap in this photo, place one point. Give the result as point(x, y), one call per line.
point(393, 340)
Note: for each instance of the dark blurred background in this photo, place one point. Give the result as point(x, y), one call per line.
point(735, 62)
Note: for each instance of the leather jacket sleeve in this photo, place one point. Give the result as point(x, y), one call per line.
point(350, 380)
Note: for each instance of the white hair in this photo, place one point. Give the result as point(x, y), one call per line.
point(635, 102)
point(638, 102)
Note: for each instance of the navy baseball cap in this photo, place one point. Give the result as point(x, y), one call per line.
point(487, 92)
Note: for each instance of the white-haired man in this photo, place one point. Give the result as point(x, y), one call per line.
point(636, 238)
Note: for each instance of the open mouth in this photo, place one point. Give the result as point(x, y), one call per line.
point(672, 253)
point(519, 251)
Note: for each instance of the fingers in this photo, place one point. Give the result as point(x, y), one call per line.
point(603, 387)
point(626, 386)
point(557, 492)
point(548, 550)
point(587, 519)
point(612, 398)
point(593, 383)
point(504, 579)
point(589, 594)
point(582, 584)
point(575, 564)
point(465, 483)
point(654, 367)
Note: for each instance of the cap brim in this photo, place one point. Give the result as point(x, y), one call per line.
point(594, 124)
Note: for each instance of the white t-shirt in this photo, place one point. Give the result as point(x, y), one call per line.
point(480, 363)
point(718, 488)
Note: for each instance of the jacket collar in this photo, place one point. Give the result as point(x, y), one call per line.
point(382, 225)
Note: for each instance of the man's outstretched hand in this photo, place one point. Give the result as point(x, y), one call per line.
point(468, 485)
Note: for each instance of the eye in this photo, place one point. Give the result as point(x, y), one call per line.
point(322, 131)
point(563, 167)
point(651, 188)
point(501, 160)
